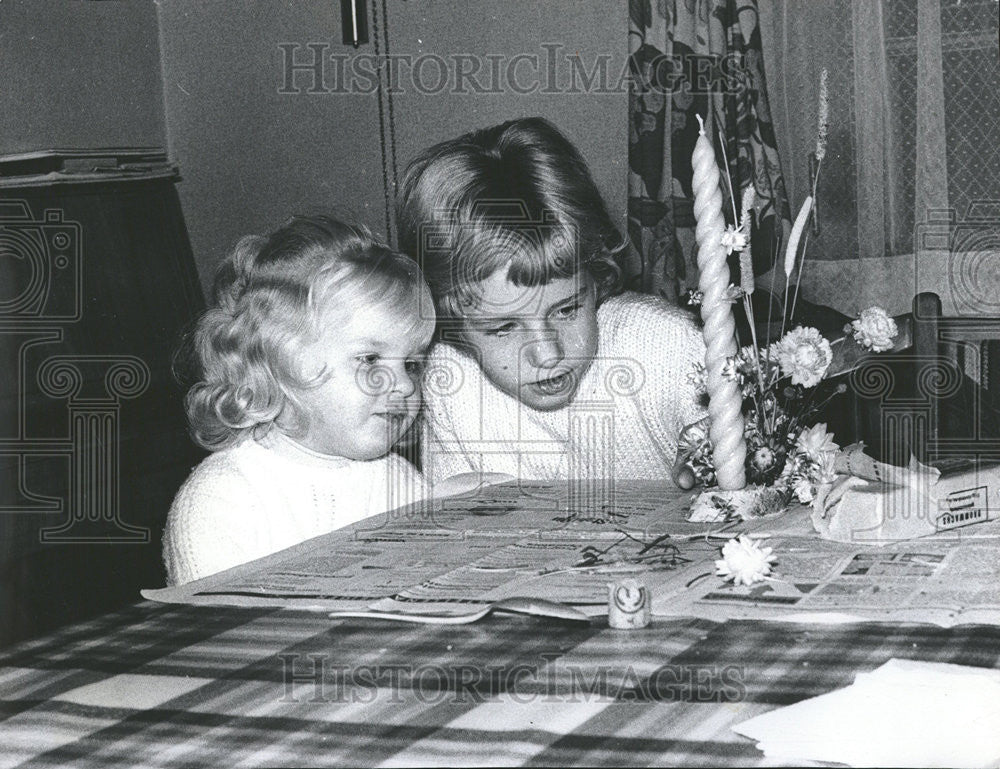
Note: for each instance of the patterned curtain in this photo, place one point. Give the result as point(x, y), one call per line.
point(909, 196)
point(693, 57)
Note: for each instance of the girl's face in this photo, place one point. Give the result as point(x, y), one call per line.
point(369, 395)
point(533, 342)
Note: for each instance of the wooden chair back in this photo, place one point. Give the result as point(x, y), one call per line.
point(939, 400)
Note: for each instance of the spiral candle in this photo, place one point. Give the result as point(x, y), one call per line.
point(725, 403)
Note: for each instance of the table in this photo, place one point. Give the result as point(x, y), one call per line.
point(174, 685)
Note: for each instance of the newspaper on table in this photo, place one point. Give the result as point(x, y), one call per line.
point(565, 543)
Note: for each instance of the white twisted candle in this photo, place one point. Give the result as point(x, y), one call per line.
point(725, 404)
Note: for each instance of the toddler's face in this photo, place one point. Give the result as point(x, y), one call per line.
point(370, 397)
point(534, 343)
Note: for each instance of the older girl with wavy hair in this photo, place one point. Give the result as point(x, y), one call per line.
point(543, 367)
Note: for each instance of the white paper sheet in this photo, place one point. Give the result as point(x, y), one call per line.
point(905, 713)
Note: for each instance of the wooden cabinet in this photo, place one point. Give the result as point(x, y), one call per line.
point(96, 285)
point(97, 281)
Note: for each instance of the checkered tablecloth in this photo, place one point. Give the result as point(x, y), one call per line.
point(168, 685)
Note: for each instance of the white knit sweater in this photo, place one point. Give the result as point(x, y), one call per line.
point(262, 496)
point(623, 421)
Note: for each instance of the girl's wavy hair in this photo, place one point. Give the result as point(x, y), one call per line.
point(246, 350)
point(517, 193)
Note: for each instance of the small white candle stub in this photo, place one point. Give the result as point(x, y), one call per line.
point(629, 605)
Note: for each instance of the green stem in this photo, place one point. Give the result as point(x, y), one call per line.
point(798, 279)
point(729, 179)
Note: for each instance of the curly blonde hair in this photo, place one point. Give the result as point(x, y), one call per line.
point(248, 346)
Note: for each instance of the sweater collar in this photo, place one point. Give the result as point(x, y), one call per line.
point(281, 445)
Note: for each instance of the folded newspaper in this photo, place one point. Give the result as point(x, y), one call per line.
point(875, 504)
point(530, 540)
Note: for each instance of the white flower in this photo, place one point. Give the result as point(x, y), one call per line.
point(815, 441)
point(699, 378)
point(732, 293)
point(746, 360)
point(804, 355)
point(734, 239)
point(744, 561)
point(730, 369)
point(804, 490)
point(826, 471)
point(875, 330)
point(693, 435)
